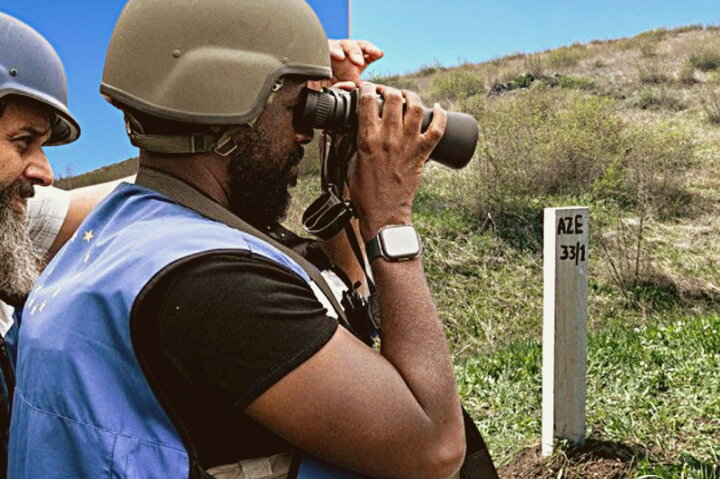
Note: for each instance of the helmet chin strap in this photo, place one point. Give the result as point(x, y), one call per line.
point(223, 144)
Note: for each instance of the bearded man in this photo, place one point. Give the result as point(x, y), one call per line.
point(35, 218)
point(173, 338)
point(33, 114)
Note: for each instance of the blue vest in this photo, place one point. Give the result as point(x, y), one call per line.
point(82, 407)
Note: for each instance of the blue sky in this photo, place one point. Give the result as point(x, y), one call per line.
point(412, 33)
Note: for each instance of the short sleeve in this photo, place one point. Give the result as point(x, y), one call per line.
point(234, 325)
point(46, 212)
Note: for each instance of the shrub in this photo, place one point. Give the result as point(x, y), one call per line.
point(651, 174)
point(430, 69)
point(687, 28)
point(655, 99)
point(657, 163)
point(510, 57)
point(627, 43)
point(686, 74)
point(542, 142)
point(521, 81)
point(397, 81)
point(455, 85)
point(535, 65)
point(499, 79)
point(651, 72)
point(654, 36)
point(101, 175)
point(648, 49)
point(711, 105)
point(705, 59)
point(578, 83)
point(566, 57)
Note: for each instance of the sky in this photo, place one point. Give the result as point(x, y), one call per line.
point(413, 33)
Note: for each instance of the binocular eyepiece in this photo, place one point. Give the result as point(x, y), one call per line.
point(336, 110)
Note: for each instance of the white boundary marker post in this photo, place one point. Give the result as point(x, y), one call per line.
point(564, 370)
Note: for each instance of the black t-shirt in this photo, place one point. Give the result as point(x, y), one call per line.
point(213, 334)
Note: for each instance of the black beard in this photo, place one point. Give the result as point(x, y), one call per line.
point(19, 264)
point(258, 188)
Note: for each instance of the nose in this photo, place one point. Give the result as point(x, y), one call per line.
point(38, 169)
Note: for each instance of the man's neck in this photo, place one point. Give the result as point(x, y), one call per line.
point(205, 172)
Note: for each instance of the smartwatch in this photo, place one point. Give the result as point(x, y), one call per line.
point(394, 243)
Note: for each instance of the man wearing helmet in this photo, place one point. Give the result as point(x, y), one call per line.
point(33, 114)
point(172, 337)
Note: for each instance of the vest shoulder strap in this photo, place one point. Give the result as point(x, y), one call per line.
point(187, 196)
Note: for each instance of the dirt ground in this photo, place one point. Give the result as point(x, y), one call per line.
point(595, 460)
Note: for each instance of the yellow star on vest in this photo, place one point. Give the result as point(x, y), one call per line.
point(88, 236)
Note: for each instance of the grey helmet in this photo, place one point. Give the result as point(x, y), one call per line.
point(30, 67)
point(212, 62)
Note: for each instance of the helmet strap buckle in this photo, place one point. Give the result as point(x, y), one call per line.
point(225, 146)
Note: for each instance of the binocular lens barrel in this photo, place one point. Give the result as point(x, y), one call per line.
point(336, 110)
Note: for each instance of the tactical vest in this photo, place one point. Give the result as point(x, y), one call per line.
point(83, 407)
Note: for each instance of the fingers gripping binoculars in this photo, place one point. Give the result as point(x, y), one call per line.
point(336, 110)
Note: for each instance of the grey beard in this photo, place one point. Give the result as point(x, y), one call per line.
point(20, 265)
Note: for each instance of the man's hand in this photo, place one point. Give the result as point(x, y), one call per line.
point(392, 150)
point(349, 59)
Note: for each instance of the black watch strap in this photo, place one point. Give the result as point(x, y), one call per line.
point(373, 249)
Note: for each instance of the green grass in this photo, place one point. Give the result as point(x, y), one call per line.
point(652, 385)
point(651, 361)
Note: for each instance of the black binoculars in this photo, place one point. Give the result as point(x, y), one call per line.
point(336, 110)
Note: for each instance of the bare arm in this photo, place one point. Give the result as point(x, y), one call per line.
point(349, 60)
point(394, 414)
point(82, 201)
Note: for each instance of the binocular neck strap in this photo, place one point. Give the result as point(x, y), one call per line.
point(329, 214)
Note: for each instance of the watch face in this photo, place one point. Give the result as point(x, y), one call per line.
point(400, 242)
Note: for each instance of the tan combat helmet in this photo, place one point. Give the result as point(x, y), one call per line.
point(208, 62)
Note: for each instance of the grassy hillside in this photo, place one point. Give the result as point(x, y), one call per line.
point(101, 175)
point(630, 128)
